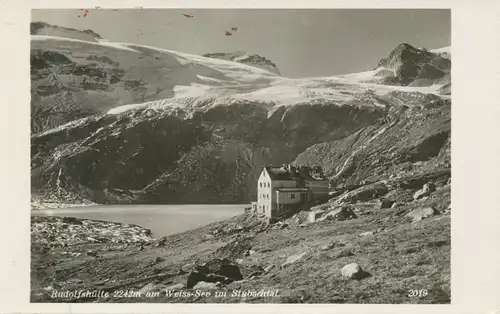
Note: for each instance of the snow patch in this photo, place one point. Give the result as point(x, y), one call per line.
point(445, 52)
point(62, 39)
point(122, 109)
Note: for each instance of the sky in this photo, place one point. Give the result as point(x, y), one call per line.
point(302, 43)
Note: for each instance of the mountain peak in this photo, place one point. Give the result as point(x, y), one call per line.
point(42, 28)
point(411, 65)
point(403, 53)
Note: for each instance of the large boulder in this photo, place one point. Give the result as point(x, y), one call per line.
point(293, 259)
point(215, 270)
point(354, 271)
point(383, 203)
point(202, 285)
point(340, 214)
point(195, 277)
point(364, 193)
point(314, 215)
point(427, 189)
point(224, 267)
point(422, 213)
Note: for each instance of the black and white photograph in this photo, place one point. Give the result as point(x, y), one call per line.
point(240, 156)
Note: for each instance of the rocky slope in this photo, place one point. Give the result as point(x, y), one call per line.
point(407, 139)
point(210, 124)
point(347, 251)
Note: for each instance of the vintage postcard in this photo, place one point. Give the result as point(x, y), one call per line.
point(236, 155)
point(259, 156)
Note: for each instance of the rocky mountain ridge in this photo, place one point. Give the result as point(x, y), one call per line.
point(42, 28)
point(210, 125)
point(250, 59)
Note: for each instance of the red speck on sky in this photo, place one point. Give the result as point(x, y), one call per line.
point(86, 12)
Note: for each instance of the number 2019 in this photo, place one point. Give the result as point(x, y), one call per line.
point(412, 293)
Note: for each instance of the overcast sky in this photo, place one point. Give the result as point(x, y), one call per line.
point(302, 43)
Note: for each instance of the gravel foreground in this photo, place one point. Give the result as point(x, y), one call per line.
point(360, 253)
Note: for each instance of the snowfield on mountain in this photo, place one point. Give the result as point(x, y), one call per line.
point(153, 76)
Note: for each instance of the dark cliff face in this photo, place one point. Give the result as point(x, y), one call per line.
point(406, 140)
point(153, 157)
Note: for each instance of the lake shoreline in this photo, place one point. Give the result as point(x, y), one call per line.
point(162, 220)
point(36, 206)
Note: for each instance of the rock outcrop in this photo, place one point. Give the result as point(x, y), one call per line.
point(245, 58)
point(422, 213)
point(411, 66)
point(221, 271)
point(56, 231)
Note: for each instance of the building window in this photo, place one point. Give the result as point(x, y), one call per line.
point(260, 184)
point(292, 196)
point(268, 185)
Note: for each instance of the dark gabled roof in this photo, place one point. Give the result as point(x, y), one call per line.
point(282, 173)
